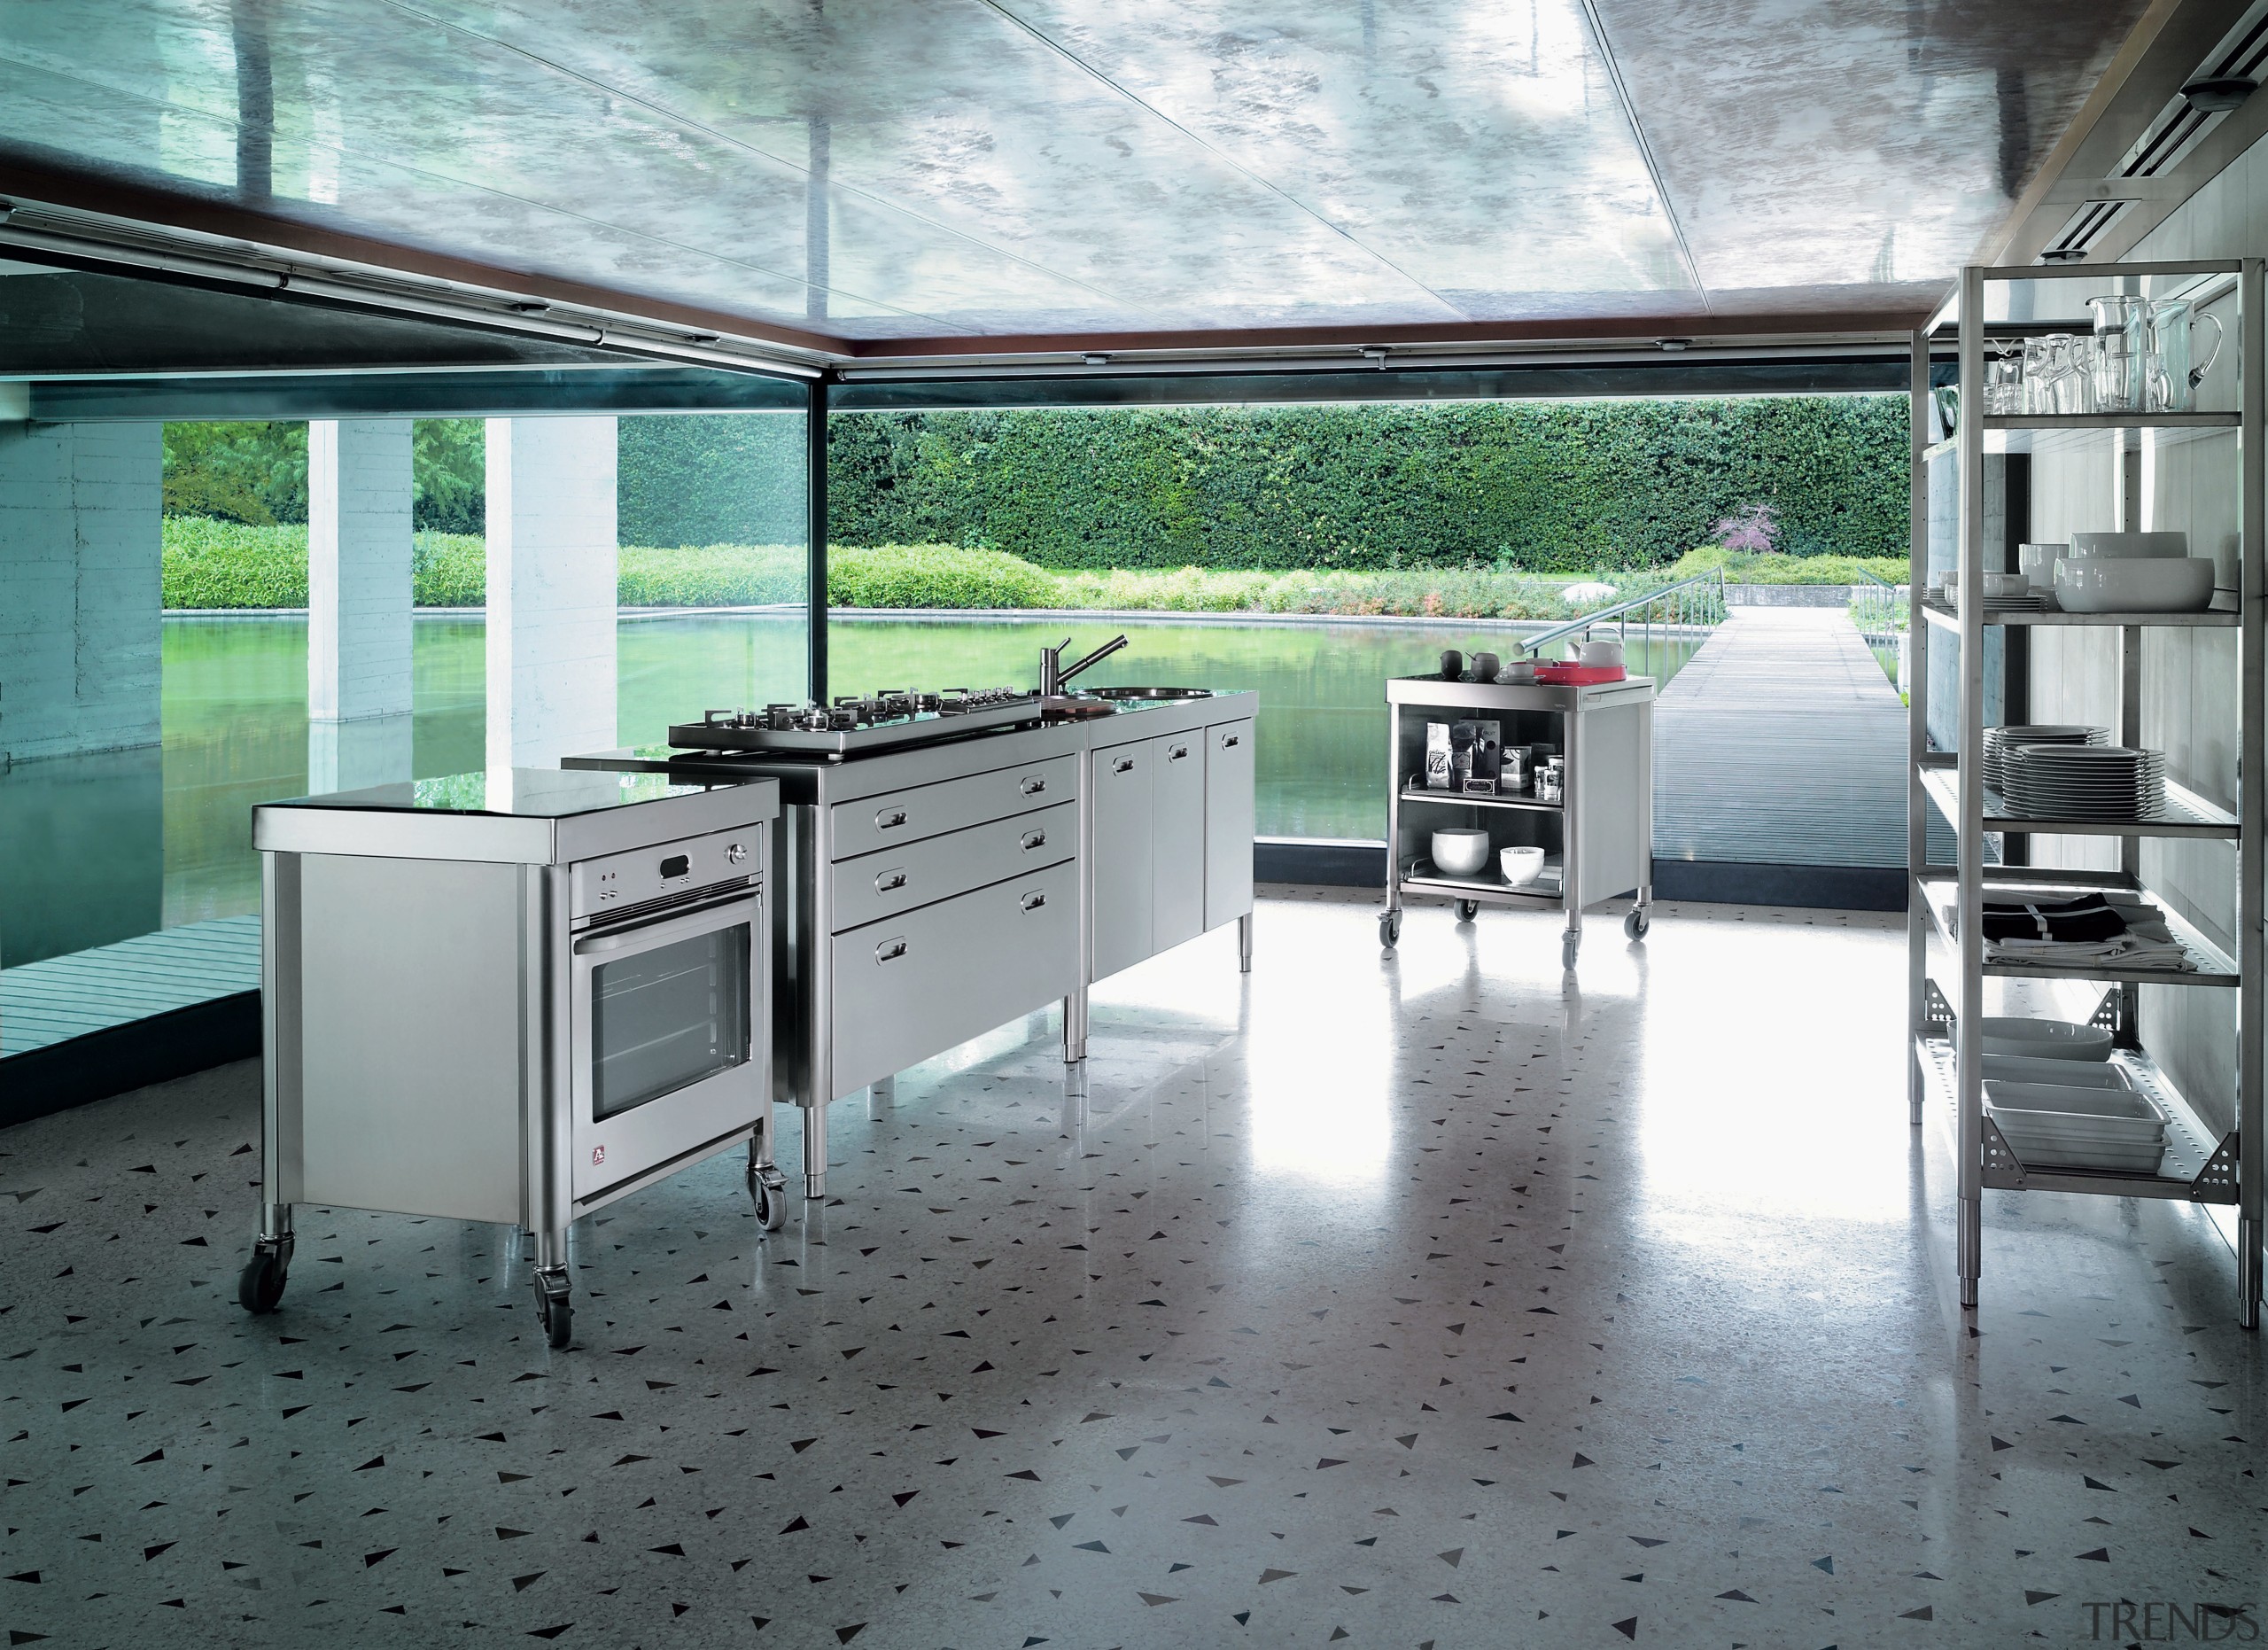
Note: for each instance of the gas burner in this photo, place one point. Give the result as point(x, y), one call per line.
point(854, 722)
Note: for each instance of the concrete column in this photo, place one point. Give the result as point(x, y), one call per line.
point(552, 570)
point(359, 658)
point(79, 597)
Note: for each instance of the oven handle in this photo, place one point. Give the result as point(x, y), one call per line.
point(681, 925)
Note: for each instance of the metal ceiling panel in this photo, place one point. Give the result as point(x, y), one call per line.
point(883, 172)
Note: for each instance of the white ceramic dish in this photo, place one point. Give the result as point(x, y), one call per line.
point(1521, 866)
point(2038, 563)
point(2129, 546)
point(2123, 585)
point(1460, 852)
point(2045, 1039)
point(1602, 653)
point(2005, 584)
point(2053, 1125)
point(2063, 1073)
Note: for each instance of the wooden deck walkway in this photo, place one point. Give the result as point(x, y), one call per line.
point(52, 1001)
point(1781, 742)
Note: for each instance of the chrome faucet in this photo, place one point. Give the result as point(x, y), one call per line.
point(1053, 674)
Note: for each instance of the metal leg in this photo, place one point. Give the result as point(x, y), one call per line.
point(2248, 1271)
point(1243, 942)
point(1074, 1027)
point(815, 1151)
point(1971, 1247)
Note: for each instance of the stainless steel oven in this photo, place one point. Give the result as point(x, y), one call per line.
point(663, 1041)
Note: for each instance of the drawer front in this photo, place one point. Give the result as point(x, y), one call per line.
point(904, 877)
point(1177, 838)
point(921, 811)
point(914, 986)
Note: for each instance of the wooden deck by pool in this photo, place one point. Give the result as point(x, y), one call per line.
point(1782, 743)
point(62, 998)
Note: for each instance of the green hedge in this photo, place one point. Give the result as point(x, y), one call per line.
point(1741, 569)
point(221, 565)
point(1549, 487)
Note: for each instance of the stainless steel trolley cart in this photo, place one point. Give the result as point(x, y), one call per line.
point(1598, 839)
point(514, 996)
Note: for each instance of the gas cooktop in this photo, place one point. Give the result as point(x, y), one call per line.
point(856, 723)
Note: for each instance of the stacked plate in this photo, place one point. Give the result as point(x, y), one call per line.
point(2018, 601)
point(1998, 741)
point(2083, 781)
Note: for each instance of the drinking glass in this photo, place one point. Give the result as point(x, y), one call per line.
point(2118, 350)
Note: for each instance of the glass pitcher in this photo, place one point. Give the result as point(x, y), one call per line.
point(2172, 380)
point(2066, 386)
point(2039, 386)
point(2119, 353)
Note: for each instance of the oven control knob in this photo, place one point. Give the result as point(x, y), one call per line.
point(734, 853)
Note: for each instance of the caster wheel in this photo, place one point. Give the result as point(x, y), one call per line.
point(768, 1191)
point(554, 1311)
point(1637, 923)
point(1567, 945)
point(260, 1286)
point(1467, 909)
point(1389, 931)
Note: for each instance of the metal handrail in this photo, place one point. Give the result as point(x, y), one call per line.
point(1690, 602)
point(1876, 608)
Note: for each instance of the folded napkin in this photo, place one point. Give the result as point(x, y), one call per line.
point(2088, 917)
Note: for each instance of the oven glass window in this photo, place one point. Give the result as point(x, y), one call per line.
point(668, 1017)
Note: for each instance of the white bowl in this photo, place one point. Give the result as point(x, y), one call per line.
point(1460, 852)
point(2123, 585)
point(1522, 865)
point(2045, 1039)
point(2129, 546)
point(2038, 563)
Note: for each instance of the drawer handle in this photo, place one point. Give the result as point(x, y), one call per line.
point(1032, 786)
point(1177, 753)
point(1123, 765)
point(1229, 742)
point(1035, 839)
point(888, 882)
point(889, 950)
point(1033, 901)
point(890, 818)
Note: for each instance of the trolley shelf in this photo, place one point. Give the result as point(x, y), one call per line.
point(2187, 814)
point(2212, 618)
point(1544, 890)
point(1425, 793)
point(2213, 965)
point(2189, 1145)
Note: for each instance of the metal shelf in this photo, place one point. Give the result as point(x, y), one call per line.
point(2209, 964)
point(1427, 793)
point(2200, 1166)
point(2190, 1146)
point(2186, 814)
point(1545, 892)
point(2212, 618)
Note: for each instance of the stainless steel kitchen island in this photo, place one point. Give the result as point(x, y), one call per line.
point(927, 892)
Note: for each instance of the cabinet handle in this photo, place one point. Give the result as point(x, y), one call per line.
point(1177, 753)
point(1123, 765)
point(1031, 786)
point(890, 818)
point(888, 882)
point(1035, 839)
point(1229, 742)
point(1034, 900)
point(889, 950)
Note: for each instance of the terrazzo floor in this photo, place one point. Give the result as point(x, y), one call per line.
point(1418, 1299)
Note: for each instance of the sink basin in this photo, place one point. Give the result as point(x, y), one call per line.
point(1148, 693)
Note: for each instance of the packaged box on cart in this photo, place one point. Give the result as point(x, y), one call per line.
point(1437, 756)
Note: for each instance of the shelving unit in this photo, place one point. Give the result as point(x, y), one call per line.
point(1948, 966)
point(1598, 842)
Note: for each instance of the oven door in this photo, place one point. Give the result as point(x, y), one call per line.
point(665, 1022)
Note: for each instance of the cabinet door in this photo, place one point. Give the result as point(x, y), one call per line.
point(1228, 823)
point(1121, 869)
point(1177, 844)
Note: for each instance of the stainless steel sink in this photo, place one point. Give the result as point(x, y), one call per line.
point(1148, 693)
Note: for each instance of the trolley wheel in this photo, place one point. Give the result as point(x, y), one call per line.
point(553, 1309)
point(1467, 909)
point(1567, 946)
point(1637, 923)
point(1389, 928)
point(260, 1286)
point(767, 1189)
